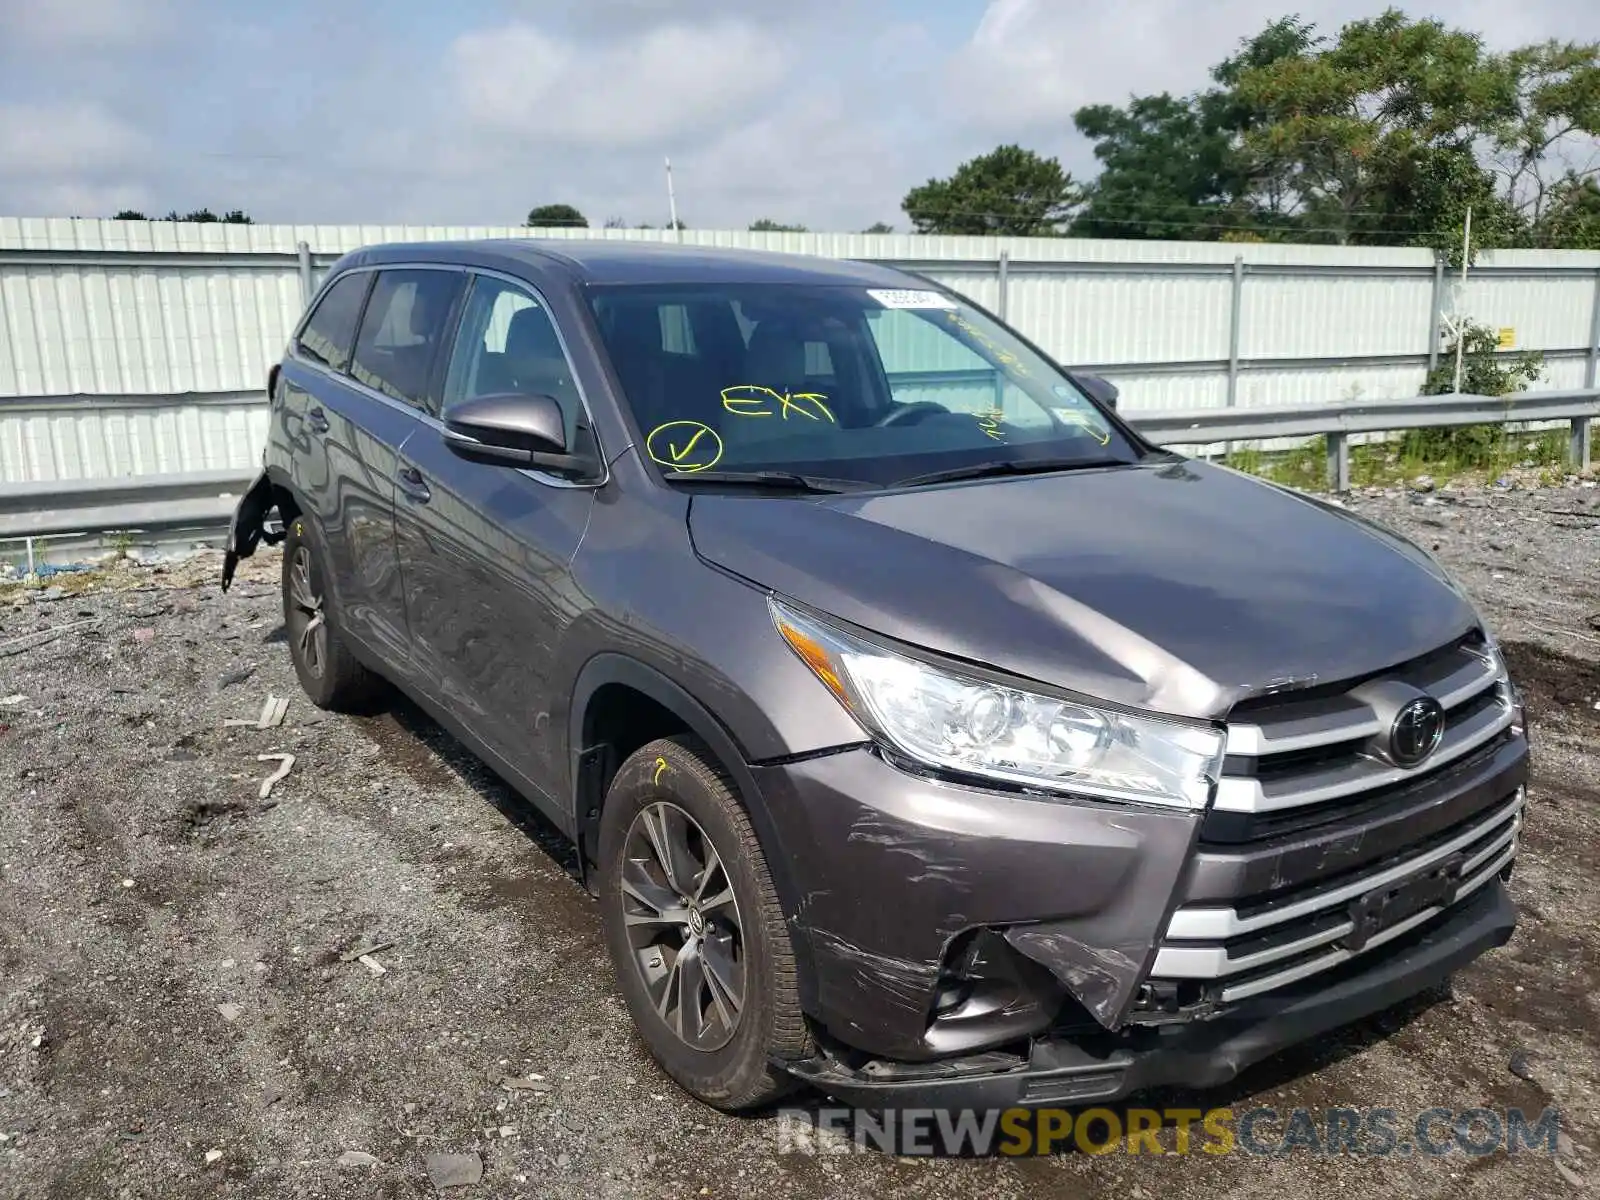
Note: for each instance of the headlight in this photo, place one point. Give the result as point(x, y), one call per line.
point(981, 728)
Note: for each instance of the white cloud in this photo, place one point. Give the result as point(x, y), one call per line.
point(672, 82)
point(823, 113)
point(58, 23)
point(41, 141)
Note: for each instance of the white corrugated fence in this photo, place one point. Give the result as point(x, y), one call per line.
point(130, 347)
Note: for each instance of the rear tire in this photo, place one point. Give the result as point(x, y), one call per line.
point(702, 953)
point(330, 674)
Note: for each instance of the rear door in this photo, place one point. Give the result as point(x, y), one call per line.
point(347, 434)
point(486, 550)
point(342, 465)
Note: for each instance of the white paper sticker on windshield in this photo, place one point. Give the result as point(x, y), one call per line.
point(907, 298)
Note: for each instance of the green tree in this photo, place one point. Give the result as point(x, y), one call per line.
point(1387, 133)
point(768, 225)
point(130, 214)
point(879, 227)
point(1362, 129)
point(1174, 167)
point(1549, 114)
point(556, 216)
point(1571, 217)
point(204, 216)
point(1164, 174)
point(1009, 191)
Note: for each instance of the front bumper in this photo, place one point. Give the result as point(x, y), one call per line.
point(903, 885)
point(1074, 1071)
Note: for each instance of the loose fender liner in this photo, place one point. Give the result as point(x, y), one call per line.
point(248, 528)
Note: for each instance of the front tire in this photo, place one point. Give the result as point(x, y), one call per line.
point(695, 931)
point(330, 674)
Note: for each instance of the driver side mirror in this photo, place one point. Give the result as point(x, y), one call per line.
point(513, 430)
point(1102, 390)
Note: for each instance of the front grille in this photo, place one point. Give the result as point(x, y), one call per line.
point(1303, 754)
point(1308, 784)
point(1262, 943)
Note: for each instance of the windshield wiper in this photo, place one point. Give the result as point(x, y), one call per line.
point(1034, 466)
point(789, 480)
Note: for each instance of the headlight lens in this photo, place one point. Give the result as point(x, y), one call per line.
point(981, 728)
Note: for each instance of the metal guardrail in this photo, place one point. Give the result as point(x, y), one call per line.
point(205, 500)
point(138, 503)
point(1578, 408)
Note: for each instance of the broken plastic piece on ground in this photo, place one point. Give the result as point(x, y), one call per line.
point(285, 765)
point(363, 951)
point(273, 711)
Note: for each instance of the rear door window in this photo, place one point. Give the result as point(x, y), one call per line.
point(328, 335)
point(403, 329)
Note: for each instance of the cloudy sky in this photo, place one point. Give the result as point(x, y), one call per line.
point(822, 112)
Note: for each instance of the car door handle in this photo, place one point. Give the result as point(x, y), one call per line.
point(318, 420)
point(414, 485)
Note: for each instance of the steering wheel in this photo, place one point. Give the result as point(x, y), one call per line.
point(906, 414)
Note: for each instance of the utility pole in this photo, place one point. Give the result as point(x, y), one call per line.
point(1460, 323)
point(672, 203)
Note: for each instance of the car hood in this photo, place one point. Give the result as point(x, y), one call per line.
point(1179, 587)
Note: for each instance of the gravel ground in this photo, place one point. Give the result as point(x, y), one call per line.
point(181, 1012)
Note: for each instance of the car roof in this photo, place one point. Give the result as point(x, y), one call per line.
point(614, 261)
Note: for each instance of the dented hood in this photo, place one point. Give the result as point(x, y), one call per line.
point(1177, 587)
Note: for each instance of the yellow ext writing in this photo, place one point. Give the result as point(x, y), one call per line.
point(752, 400)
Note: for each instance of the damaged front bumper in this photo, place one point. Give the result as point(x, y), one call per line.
point(996, 947)
point(1077, 1069)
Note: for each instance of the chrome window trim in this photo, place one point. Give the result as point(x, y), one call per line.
point(543, 477)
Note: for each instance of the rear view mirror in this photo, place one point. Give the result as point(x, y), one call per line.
point(513, 430)
point(1102, 390)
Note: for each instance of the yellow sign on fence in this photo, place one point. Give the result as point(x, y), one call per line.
point(1508, 340)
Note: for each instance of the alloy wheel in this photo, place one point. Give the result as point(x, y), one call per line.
point(683, 926)
point(307, 621)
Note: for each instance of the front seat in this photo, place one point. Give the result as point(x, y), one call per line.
point(776, 358)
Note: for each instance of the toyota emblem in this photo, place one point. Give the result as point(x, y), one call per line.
point(1417, 730)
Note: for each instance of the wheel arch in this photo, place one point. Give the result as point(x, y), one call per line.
point(594, 761)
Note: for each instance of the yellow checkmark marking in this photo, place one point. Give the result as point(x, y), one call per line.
point(702, 449)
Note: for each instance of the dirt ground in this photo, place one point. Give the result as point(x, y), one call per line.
point(182, 1014)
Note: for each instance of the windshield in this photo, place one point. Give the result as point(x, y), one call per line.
point(867, 384)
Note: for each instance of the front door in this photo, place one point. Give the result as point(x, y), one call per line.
point(485, 551)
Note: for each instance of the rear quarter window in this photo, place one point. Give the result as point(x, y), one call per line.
point(331, 332)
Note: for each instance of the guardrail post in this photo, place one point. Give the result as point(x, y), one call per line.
point(1338, 462)
point(1580, 448)
point(303, 249)
point(1005, 284)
